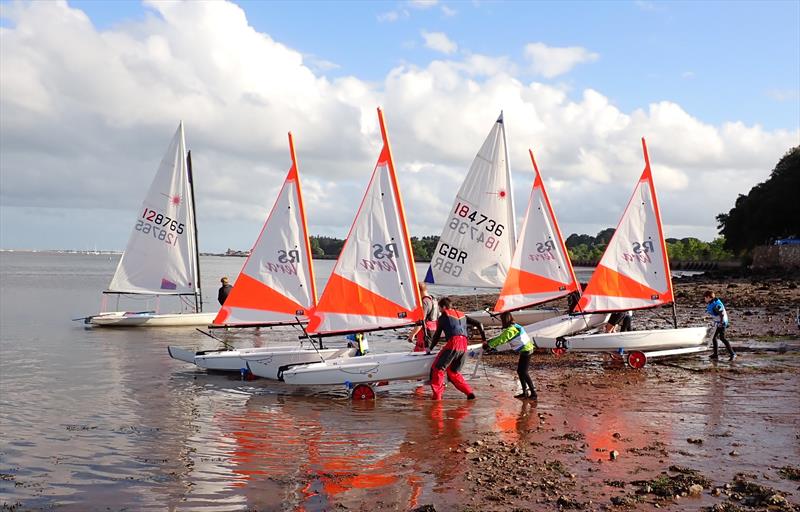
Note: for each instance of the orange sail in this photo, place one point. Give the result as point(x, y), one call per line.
point(374, 282)
point(276, 284)
point(540, 269)
point(634, 270)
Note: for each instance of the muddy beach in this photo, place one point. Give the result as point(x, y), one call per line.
point(682, 434)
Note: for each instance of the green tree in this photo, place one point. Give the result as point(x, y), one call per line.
point(316, 250)
point(769, 211)
point(420, 249)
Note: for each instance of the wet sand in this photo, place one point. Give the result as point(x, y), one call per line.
point(682, 434)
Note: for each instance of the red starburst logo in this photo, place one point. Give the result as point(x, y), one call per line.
point(173, 200)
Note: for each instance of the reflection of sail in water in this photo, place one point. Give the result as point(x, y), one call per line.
point(313, 453)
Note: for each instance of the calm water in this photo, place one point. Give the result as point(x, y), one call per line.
point(103, 417)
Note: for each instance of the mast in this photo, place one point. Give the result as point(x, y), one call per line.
point(510, 186)
point(198, 296)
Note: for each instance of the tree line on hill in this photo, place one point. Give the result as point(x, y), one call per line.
point(583, 248)
point(769, 212)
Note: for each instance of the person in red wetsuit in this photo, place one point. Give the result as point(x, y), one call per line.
point(453, 324)
point(422, 335)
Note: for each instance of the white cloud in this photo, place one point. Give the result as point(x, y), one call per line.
point(392, 16)
point(687, 75)
point(88, 113)
point(423, 4)
point(440, 42)
point(550, 61)
point(448, 12)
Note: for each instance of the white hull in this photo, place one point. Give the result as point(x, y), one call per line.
point(544, 333)
point(366, 369)
point(522, 316)
point(268, 365)
point(126, 319)
point(643, 341)
point(234, 360)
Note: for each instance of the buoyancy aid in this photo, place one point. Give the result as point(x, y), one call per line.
point(716, 309)
point(453, 323)
point(431, 315)
point(513, 338)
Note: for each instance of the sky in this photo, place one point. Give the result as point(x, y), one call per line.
point(91, 93)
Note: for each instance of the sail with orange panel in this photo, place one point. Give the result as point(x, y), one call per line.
point(540, 268)
point(276, 284)
point(634, 270)
point(374, 284)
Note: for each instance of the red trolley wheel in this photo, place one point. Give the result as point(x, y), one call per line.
point(558, 352)
point(637, 359)
point(363, 392)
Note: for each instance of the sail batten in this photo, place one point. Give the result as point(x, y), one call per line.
point(633, 272)
point(160, 257)
point(373, 284)
point(479, 235)
point(276, 283)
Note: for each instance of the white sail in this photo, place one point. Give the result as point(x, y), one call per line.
point(374, 284)
point(479, 235)
point(634, 270)
point(540, 269)
point(276, 284)
point(160, 258)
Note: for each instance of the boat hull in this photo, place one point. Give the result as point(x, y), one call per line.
point(642, 341)
point(366, 369)
point(522, 316)
point(546, 332)
point(127, 319)
point(269, 365)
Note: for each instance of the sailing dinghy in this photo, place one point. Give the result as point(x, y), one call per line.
point(634, 274)
point(373, 287)
point(541, 270)
point(161, 258)
point(479, 237)
point(275, 287)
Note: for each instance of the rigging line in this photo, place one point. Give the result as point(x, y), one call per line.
point(227, 345)
point(311, 340)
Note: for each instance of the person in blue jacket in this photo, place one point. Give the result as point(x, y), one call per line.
point(719, 315)
point(513, 337)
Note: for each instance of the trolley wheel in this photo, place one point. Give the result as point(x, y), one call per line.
point(558, 352)
point(637, 359)
point(363, 392)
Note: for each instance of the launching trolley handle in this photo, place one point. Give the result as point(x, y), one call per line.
point(227, 345)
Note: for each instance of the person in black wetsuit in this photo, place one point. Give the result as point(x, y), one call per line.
point(453, 324)
point(719, 314)
point(224, 290)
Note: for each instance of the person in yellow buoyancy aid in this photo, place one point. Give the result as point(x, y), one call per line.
point(515, 338)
